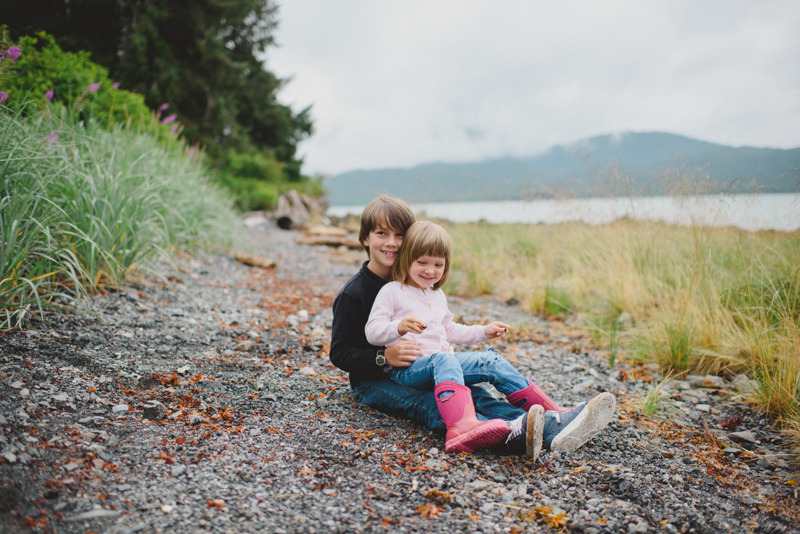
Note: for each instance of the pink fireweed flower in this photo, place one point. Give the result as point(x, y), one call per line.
point(3, 96)
point(169, 119)
point(115, 85)
point(52, 138)
point(93, 87)
point(49, 95)
point(14, 52)
point(163, 106)
point(174, 128)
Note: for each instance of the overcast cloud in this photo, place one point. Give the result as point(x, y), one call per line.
point(395, 84)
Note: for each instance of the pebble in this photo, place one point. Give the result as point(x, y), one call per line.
point(745, 435)
point(119, 408)
point(244, 346)
point(154, 412)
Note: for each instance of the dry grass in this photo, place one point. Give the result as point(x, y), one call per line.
point(702, 299)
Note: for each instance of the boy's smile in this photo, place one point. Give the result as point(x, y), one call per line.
point(383, 246)
point(425, 271)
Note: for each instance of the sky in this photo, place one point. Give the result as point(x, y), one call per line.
point(397, 84)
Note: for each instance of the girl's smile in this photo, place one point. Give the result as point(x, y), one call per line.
point(425, 271)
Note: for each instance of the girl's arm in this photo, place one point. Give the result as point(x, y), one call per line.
point(380, 328)
point(461, 333)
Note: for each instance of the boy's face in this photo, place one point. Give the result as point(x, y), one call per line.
point(383, 244)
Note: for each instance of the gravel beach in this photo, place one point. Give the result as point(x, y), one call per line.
point(204, 401)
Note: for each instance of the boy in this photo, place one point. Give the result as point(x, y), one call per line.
point(383, 224)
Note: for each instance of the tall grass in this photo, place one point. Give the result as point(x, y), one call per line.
point(81, 207)
point(702, 299)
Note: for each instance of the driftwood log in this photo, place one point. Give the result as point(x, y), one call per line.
point(255, 261)
point(296, 209)
point(326, 230)
point(331, 241)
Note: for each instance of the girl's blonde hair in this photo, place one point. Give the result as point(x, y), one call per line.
point(423, 238)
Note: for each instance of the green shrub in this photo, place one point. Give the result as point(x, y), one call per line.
point(76, 82)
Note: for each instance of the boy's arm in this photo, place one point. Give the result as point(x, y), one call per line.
point(348, 350)
point(380, 328)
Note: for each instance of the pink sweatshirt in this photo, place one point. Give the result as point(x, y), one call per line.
point(396, 301)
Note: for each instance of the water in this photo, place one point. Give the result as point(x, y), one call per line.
point(748, 212)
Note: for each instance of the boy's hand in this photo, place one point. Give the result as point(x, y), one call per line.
point(410, 324)
point(495, 330)
point(402, 354)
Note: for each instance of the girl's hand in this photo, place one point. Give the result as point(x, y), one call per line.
point(495, 330)
point(410, 324)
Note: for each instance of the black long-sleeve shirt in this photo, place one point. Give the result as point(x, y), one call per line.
point(350, 350)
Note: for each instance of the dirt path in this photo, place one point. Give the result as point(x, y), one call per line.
point(146, 418)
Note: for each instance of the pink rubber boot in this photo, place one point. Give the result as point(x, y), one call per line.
point(465, 433)
point(533, 394)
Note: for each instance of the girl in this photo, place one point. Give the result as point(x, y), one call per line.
point(413, 307)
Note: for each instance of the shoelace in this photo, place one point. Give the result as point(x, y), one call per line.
point(557, 415)
point(515, 428)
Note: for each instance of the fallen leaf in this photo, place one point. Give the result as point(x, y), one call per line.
point(732, 422)
point(474, 517)
point(442, 497)
point(429, 510)
point(791, 482)
point(216, 503)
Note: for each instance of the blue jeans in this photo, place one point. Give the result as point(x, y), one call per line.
point(399, 400)
point(465, 368)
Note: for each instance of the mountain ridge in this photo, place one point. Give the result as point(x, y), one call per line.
point(647, 163)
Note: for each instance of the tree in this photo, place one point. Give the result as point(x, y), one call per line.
point(199, 56)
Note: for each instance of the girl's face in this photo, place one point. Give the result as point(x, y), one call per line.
point(425, 271)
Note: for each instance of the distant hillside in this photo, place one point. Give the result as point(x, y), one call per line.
point(587, 168)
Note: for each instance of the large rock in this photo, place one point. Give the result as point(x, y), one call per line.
point(243, 346)
point(154, 412)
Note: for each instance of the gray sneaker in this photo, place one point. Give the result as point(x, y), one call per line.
point(567, 431)
point(525, 433)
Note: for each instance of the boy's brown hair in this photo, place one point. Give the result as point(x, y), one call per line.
point(423, 238)
point(387, 212)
